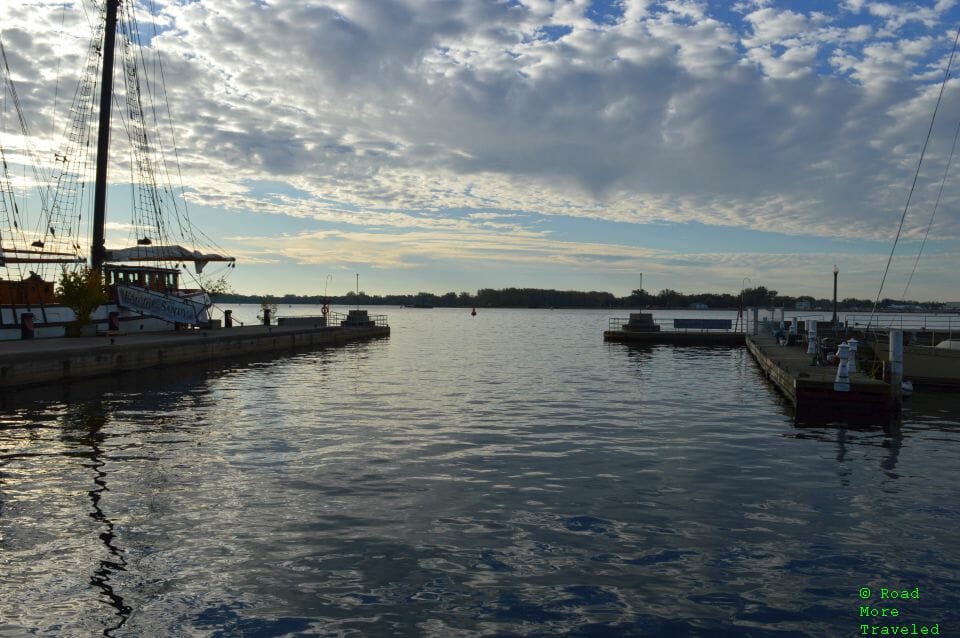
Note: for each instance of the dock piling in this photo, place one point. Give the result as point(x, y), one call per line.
point(896, 365)
point(26, 325)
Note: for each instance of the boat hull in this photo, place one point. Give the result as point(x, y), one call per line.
point(930, 366)
point(927, 365)
point(51, 320)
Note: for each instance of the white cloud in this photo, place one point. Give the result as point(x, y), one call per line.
point(794, 122)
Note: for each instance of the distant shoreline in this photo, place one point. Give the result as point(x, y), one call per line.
point(533, 298)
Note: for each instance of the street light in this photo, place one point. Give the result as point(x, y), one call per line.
point(740, 317)
point(836, 271)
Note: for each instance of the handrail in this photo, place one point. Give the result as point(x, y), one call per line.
point(332, 320)
point(910, 322)
point(666, 324)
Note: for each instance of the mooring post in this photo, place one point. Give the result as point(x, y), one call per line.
point(812, 336)
point(854, 344)
point(227, 318)
point(896, 365)
point(842, 382)
point(26, 325)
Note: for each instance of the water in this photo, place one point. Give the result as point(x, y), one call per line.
point(508, 474)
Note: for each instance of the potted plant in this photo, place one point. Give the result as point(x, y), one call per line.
point(81, 290)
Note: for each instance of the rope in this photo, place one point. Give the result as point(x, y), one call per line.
point(936, 205)
point(916, 175)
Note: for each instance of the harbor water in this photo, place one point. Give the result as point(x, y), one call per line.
point(508, 474)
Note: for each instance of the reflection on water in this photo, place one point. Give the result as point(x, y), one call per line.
point(82, 428)
point(504, 474)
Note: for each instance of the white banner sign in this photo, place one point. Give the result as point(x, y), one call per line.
point(176, 309)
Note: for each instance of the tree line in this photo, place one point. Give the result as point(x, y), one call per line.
point(548, 298)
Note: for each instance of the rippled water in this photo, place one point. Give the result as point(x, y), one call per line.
point(508, 474)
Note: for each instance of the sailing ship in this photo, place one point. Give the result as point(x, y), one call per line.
point(144, 283)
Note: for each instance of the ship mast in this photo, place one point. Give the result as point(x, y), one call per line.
point(98, 251)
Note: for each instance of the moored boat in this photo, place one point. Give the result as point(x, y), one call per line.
point(144, 284)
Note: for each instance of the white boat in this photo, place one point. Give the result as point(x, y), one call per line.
point(937, 365)
point(144, 282)
point(928, 366)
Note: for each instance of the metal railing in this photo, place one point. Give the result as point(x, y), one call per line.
point(338, 319)
point(669, 324)
point(379, 321)
point(908, 322)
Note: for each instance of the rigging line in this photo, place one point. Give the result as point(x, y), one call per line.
point(138, 54)
point(936, 205)
point(913, 186)
point(31, 152)
point(176, 155)
point(72, 163)
point(56, 84)
point(150, 195)
point(180, 217)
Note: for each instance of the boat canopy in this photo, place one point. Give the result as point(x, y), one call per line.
point(166, 253)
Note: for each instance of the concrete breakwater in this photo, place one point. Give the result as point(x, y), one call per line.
point(42, 361)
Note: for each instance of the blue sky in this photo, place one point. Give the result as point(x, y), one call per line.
point(573, 144)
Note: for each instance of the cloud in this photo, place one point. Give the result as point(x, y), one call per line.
point(398, 113)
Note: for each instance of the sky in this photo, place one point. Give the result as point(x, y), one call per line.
point(452, 145)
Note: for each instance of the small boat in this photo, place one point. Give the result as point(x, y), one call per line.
point(937, 366)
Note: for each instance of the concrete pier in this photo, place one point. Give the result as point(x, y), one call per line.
point(677, 338)
point(812, 388)
point(43, 361)
point(641, 327)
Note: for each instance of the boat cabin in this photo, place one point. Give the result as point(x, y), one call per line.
point(32, 291)
point(165, 280)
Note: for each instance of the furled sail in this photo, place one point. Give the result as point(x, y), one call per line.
point(165, 253)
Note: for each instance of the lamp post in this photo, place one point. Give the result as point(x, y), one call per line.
point(836, 271)
point(740, 318)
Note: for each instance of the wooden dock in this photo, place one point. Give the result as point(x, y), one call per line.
point(43, 361)
point(810, 387)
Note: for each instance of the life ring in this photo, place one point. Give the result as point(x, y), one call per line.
point(324, 310)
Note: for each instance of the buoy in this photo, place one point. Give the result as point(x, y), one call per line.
point(473, 313)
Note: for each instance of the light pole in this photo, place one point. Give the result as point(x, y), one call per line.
point(836, 271)
point(741, 320)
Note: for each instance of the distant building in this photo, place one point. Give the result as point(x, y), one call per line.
point(951, 306)
point(802, 304)
point(699, 306)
